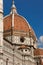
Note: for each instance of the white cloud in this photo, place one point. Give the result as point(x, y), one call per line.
point(41, 39)
point(40, 42)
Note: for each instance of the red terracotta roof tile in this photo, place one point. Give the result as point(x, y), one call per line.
point(38, 52)
point(20, 24)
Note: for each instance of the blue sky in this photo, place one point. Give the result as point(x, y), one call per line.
point(32, 10)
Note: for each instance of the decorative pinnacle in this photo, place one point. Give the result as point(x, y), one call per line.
point(13, 2)
point(13, 6)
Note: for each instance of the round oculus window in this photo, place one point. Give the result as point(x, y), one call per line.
point(22, 39)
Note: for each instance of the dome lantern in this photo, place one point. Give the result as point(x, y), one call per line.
point(13, 8)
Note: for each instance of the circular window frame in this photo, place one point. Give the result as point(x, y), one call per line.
point(22, 39)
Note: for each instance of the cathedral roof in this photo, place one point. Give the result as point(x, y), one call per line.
point(38, 52)
point(20, 24)
point(17, 22)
